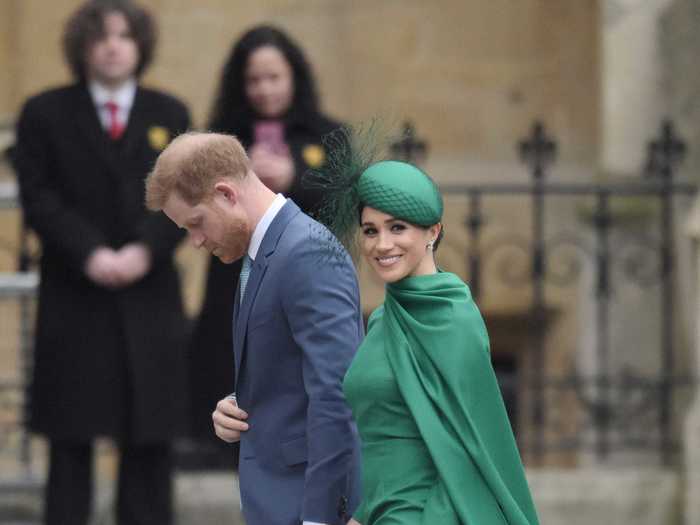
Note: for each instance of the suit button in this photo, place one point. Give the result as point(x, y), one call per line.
point(343, 507)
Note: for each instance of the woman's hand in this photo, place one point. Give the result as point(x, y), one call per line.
point(275, 170)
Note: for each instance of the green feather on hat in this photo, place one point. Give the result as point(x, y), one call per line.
point(352, 177)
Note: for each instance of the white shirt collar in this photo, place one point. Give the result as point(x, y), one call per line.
point(264, 224)
point(123, 96)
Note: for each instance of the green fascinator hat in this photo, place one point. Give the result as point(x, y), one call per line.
point(401, 190)
point(352, 177)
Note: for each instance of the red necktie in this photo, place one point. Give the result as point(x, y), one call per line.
point(116, 128)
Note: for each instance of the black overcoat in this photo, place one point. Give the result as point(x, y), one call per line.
point(106, 362)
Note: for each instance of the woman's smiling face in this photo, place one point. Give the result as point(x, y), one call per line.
point(395, 248)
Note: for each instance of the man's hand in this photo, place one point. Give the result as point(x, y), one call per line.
point(229, 420)
point(274, 170)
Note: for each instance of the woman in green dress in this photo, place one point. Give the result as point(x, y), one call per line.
point(437, 447)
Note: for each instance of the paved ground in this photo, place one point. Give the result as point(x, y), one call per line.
point(202, 499)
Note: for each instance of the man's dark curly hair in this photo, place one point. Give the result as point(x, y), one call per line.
point(232, 109)
point(86, 26)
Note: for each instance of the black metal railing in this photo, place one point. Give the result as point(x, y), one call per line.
point(17, 310)
point(615, 406)
point(17, 295)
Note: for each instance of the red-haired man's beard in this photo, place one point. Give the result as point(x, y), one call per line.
point(235, 240)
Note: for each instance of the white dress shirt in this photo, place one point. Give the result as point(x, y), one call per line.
point(123, 97)
point(264, 224)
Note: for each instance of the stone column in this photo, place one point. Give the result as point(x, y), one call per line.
point(631, 110)
point(691, 437)
point(680, 45)
point(635, 99)
point(631, 87)
point(680, 40)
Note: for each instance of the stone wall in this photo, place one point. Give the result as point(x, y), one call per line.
point(472, 75)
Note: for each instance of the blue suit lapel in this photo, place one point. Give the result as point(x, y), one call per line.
point(257, 273)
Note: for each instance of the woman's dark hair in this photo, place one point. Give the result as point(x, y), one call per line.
point(86, 26)
point(232, 110)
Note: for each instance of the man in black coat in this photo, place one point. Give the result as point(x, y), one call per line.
point(109, 351)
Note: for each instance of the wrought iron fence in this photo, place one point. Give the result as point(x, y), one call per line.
point(614, 405)
point(17, 310)
point(17, 297)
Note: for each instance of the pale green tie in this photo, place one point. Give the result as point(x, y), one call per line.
point(245, 273)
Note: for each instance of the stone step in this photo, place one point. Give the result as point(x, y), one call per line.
point(20, 500)
point(202, 497)
point(211, 498)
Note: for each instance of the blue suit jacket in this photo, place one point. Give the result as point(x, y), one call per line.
point(295, 334)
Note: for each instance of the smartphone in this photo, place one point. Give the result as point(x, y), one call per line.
point(271, 134)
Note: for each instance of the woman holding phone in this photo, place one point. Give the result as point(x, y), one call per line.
point(267, 98)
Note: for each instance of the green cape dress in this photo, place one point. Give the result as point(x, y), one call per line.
point(437, 446)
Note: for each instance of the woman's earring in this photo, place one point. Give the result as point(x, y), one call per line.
point(430, 245)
